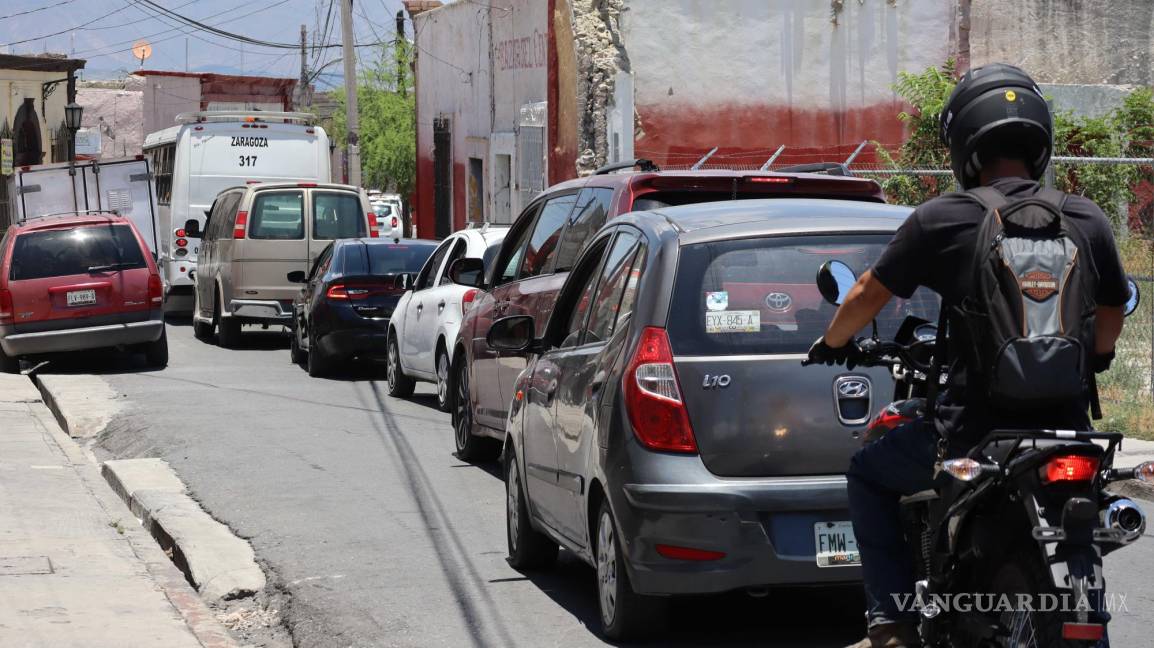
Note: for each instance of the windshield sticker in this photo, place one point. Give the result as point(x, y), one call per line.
point(747, 321)
point(717, 301)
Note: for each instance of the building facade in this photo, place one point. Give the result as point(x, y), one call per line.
point(33, 93)
point(168, 93)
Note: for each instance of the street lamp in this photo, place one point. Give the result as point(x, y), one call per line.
point(72, 113)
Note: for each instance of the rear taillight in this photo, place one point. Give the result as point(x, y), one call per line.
point(7, 311)
point(181, 242)
point(345, 292)
point(374, 228)
point(468, 298)
point(395, 222)
point(653, 396)
point(155, 289)
point(241, 221)
point(1072, 468)
point(180, 233)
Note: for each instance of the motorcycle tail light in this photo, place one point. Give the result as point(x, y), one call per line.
point(653, 397)
point(1083, 631)
point(962, 469)
point(1071, 468)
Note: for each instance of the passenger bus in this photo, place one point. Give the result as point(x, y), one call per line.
point(208, 152)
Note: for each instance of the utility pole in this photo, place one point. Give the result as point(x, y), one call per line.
point(398, 53)
point(353, 151)
point(303, 94)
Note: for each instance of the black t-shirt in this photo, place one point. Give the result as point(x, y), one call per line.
point(935, 248)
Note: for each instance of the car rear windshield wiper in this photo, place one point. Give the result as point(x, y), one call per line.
point(112, 266)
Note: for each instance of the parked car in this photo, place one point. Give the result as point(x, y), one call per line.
point(254, 236)
point(390, 217)
point(663, 430)
point(79, 282)
point(429, 315)
point(348, 298)
point(540, 249)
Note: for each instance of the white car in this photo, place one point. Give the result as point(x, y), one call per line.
point(390, 216)
point(426, 320)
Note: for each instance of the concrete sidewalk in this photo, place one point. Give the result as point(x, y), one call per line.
point(75, 567)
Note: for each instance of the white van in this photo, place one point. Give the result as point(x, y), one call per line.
point(208, 152)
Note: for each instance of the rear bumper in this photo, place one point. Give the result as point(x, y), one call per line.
point(262, 310)
point(79, 339)
point(361, 341)
point(764, 526)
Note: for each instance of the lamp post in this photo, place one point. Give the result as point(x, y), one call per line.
point(72, 114)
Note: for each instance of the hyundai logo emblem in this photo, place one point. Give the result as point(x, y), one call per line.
point(853, 388)
point(778, 301)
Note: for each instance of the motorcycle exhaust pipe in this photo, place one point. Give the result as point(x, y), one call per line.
point(1125, 516)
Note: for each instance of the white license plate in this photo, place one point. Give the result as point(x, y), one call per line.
point(835, 544)
point(81, 297)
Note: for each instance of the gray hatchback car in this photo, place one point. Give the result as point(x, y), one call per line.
point(664, 430)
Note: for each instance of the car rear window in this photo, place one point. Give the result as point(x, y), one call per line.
point(277, 216)
point(63, 252)
point(390, 258)
point(756, 296)
point(337, 216)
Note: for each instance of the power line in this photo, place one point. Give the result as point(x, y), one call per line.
point(24, 13)
point(29, 40)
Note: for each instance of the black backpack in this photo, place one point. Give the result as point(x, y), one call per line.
point(1030, 311)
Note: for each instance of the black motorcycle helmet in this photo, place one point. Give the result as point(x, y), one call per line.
point(996, 111)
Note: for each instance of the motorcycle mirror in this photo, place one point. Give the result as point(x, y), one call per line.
point(1135, 297)
point(834, 279)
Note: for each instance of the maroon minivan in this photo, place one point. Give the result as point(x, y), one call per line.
point(542, 246)
point(78, 282)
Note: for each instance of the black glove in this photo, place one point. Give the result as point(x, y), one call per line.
point(1102, 361)
point(822, 353)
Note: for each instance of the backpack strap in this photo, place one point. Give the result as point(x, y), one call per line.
point(987, 197)
point(1054, 197)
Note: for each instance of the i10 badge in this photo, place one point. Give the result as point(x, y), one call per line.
point(716, 382)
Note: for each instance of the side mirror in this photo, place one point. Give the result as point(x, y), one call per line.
point(296, 276)
point(1134, 299)
point(834, 280)
point(514, 333)
point(467, 272)
point(192, 228)
point(403, 281)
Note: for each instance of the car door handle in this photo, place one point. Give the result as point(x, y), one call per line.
point(597, 383)
point(441, 306)
point(420, 307)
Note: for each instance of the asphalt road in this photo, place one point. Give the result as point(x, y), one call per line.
point(379, 536)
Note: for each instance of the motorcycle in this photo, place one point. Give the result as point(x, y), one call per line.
point(1008, 545)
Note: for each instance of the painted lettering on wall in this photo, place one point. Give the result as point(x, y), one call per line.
point(522, 53)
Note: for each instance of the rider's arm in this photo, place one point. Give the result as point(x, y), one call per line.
point(1107, 327)
point(865, 300)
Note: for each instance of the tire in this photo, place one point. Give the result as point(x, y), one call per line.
point(156, 353)
point(319, 365)
point(296, 353)
point(625, 615)
point(444, 382)
point(400, 385)
point(228, 333)
point(528, 547)
point(1024, 574)
point(471, 447)
point(9, 364)
point(202, 330)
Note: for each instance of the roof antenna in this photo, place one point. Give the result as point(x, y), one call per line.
point(765, 167)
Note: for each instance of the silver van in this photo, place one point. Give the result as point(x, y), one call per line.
point(254, 236)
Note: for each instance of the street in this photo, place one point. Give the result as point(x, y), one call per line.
point(378, 536)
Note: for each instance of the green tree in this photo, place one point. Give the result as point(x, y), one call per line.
point(386, 107)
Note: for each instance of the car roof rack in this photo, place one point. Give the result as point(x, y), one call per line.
point(645, 165)
point(828, 168)
point(243, 115)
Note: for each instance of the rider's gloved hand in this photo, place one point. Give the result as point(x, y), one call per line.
point(822, 353)
point(1102, 361)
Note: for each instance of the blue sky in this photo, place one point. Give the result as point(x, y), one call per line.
point(102, 31)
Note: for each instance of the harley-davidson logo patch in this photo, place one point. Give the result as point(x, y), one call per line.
point(1039, 285)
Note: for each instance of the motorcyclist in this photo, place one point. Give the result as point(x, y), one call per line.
point(999, 131)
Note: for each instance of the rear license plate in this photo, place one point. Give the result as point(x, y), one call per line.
point(81, 297)
point(835, 544)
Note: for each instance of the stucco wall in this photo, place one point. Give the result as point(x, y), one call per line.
point(165, 97)
point(16, 85)
point(750, 75)
point(1067, 41)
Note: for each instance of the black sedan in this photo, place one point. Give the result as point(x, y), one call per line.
point(343, 309)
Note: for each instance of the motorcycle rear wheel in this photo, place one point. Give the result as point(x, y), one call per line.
point(1023, 574)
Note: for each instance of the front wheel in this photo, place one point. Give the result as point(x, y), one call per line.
point(444, 400)
point(470, 447)
point(625, 614)
point(528, 547)
point(400, 385)
point(200, 329)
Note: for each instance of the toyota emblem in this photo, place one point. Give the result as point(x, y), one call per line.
point(853, 388)
point(778, 302)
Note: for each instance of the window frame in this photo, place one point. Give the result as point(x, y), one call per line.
point(433, 265)
point(529, 216)
point(629, 259)
point(261, 195)
point(558, 328)
point(571, 221)
point(457, 252)
point(314, 194)
point(547, 268)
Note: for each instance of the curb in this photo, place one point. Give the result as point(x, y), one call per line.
point(83, 405)
point(195, 613)
point(220, 565)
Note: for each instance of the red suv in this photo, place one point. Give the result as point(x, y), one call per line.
point(543, 244)
point(78, 282)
